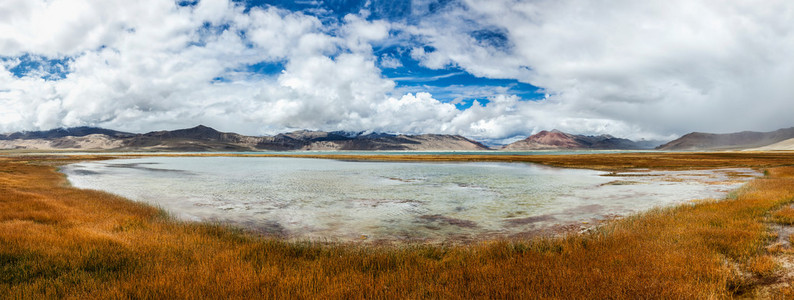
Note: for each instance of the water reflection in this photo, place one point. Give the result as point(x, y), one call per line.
point(342, 200)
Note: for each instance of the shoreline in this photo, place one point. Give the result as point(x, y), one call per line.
point(39, 212)
point(578, 211)
point(604, 161)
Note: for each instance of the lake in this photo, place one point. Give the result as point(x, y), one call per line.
point(333, 200)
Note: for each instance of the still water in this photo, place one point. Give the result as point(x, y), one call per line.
point(303, 198)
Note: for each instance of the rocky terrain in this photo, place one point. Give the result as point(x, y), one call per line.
point(558, 140)
point(64, 132)
point(728, 141)
point(203, 138)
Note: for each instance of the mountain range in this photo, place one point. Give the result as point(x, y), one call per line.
point(729, 141)
point(203, 138)
point(558, 140)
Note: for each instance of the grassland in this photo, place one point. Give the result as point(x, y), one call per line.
point(58, 241)
point(600, 161)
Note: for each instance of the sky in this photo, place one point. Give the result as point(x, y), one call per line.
point(495, 70)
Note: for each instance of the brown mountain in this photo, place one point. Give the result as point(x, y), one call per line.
point(558, 140)
point(64, 132)
point(203, 138)
point(199, 138)
point(319, 140)
point(728, 141)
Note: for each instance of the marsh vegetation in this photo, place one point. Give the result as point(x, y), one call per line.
point(59, 241)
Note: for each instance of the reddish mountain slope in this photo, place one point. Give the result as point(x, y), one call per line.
point(558, 140)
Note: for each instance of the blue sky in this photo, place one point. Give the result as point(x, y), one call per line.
point(449, 84)
point(491, 70)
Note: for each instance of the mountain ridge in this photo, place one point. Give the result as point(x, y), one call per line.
point(63, 132)
point(727, 141)
point(558, 140)
point(204, 138)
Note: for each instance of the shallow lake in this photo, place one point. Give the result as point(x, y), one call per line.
point(304, 198)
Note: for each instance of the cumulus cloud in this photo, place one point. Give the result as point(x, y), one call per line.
point(665, 67)
point(647, 69)
point(388, 61)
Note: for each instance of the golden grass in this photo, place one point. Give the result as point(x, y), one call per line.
point(784, 215)
point(57, 241)
point(599, 161)
point(763, 265)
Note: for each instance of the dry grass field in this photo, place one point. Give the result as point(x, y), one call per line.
point(62, 242)
point(600, 161)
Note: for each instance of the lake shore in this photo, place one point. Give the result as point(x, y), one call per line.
point(65, 242)
point(619, 161)
point(391, 202)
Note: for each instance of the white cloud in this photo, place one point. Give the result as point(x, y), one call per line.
point(360, 33)
point(665, 67)
point(388, 61)
point(641, 69)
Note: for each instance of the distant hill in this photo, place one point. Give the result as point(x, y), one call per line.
point(558, 140)
point(728, 141)
point(86, 142)
point(199, 138)
point(64, 132)
point(203, 138)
